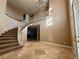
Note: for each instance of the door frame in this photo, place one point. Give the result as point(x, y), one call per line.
point(38, 32)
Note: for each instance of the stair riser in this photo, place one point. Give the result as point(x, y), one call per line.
point(8, 36)
point(2, 52)
point(5, 42)
point(8, 44)
point(11, 32)
point(12, 29)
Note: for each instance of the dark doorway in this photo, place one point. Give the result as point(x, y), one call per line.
point(33, 33)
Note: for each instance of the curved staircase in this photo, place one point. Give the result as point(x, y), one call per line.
point(8, 41)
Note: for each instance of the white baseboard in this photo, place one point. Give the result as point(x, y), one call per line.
point(57, 44)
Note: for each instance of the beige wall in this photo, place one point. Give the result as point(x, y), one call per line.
point(6, 23)
point(59, 31)
point(13, 12)
point(61, 26)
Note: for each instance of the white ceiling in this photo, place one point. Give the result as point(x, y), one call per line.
point(28, 6)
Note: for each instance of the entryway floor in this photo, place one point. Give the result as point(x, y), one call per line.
point(40, 50)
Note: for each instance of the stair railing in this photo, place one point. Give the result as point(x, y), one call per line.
point(24, 25)
point(43, 17)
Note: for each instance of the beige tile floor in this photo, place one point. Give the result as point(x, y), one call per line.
point(40, 50)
